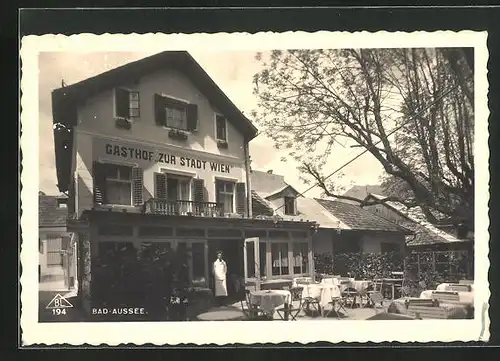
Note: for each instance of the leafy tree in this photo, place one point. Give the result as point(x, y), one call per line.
point(411, 109)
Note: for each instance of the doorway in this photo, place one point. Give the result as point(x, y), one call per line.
point(232, 250)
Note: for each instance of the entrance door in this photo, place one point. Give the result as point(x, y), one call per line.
point(251, 258)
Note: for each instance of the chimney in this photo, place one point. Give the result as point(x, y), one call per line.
point(270, 171)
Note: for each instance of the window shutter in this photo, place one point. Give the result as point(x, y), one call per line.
point(160, 186)
point(122, 103)
point(160, 111)
point(192, 117)
point(99, 177)
point(240, 198)
point(137, 185)
point(198, 190)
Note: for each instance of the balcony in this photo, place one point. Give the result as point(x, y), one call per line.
point(183, 208)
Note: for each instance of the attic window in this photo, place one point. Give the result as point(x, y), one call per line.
point(221, 128)
point(290, 206)
point(126, 103)
point(62, 203)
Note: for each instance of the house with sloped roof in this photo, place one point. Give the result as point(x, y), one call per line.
point(426, 235)
point(155, 159)
point(361, 192)
point(57, 253)
point(341, 227)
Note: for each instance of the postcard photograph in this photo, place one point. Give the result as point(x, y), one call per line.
point(327, 186)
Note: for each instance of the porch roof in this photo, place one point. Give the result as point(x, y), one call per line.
point(90, 216)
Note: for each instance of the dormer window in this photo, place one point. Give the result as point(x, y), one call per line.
point(290, 206)
point(126, 103)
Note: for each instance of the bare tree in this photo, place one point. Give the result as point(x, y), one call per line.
point(412, 109)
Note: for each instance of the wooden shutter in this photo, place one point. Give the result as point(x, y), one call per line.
point(137, 185)
point(160, 111)
point(240, 198)
point(198, 190)
point(99, 178)
point(192, 117)
point(160, 186)
point(122, 103)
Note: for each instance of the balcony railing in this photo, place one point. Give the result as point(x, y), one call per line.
point(183, 208)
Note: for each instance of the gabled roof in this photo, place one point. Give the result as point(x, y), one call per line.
point(49, 214)
point(425, 232)
point(65, 100)
point(358, 218)
point(265, 182)
point(360, 192)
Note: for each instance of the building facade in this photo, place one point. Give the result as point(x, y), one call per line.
point(153, 155)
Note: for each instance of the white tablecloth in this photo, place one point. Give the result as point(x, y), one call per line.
point(361, 286)
point(321, 292)
point(268, 300)
point(465, 298)
point(299, 281)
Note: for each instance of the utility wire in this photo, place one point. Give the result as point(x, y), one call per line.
point(445, 93)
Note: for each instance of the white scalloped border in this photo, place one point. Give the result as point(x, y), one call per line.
point(223, 333)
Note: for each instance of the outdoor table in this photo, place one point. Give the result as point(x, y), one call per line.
point(268, 300)
point(391, 281)
point(323, 293)
point(465, 298)
point(298, 281)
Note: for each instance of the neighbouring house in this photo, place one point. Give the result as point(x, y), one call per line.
point(154, 155)
point(427, 236)
point(429, 239)
point(341, 227)
point(361, 192)
point(57, 251)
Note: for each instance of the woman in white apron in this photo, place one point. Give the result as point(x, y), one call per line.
point(219, 271)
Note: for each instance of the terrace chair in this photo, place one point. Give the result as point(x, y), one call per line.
point(338, 303)
point(252, 312)
point(349, 296)
point(376, 300)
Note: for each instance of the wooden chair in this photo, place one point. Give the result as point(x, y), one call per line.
point(443, 296)
point(350, 296)
point(289, 311)
point(252, 312)
point(376, 300)
point(338, 303)
point(427, 312)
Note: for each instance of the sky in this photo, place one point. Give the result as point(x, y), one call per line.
point(233, 73)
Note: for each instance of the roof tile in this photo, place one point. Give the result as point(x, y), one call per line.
point(49, 214)
point(358, 218)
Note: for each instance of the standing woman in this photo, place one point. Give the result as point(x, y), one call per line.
point(219, 271)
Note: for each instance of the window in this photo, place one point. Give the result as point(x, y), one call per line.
point(300, 258)
point(119, 184)
point(225, 195)
point(386, 247)
point(290, 206)
point(176, 118)
point(54, 251)
point(176, 114)
point(178, 188)
point(220, 128)
point(279, 256)
point(126, 103)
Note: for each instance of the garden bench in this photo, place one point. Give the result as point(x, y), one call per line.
point(425, 312)
point(442, 296)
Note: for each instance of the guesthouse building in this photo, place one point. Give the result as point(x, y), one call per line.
point(153, 155)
